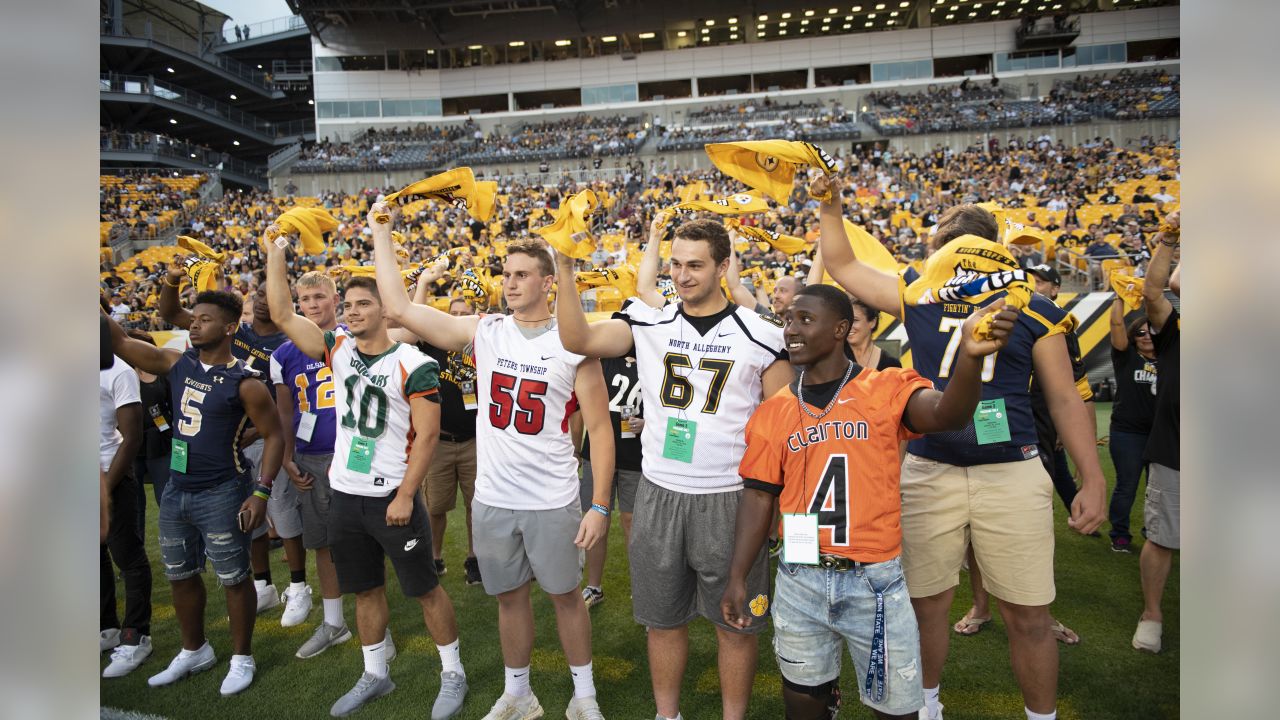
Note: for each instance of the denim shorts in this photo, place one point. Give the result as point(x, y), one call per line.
point(195, 523)
point(815, 608)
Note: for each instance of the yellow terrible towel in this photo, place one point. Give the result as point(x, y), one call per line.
point(309, 223)
point(737, 204)
point(569, 233)
point(622, 277)
point(786, 243)
point(770, 165)
point(205, 267)
point(971, 269)
point(458, 187)
point(1129, 288)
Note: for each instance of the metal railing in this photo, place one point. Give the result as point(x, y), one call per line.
point(165, 146)
point(283, 156)
point(202, 51)
point(262, 29)
point(145, 85)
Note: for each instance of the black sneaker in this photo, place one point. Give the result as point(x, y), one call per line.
point(440, 568)
point(472, 568)
point(1121, 545)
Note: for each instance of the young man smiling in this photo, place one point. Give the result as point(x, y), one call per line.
point(825, 452)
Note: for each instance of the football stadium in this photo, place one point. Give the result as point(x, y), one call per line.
point(337, 241)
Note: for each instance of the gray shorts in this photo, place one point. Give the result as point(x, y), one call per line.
point(625, 483)
point(282, 506)
point(1161, 514)
point(516, 546)
point(314, 503)
point(681, 547)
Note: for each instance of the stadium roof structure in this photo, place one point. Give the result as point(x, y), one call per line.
point(450, 23)
point(192, 19)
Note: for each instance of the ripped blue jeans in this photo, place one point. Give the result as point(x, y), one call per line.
point(817, 612)
point(199, 523)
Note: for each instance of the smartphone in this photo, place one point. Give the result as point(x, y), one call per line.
point(242, 519)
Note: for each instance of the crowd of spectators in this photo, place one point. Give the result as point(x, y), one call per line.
point(426, 147)
point(1095, 202)
point(1124, 95)
point(766, 109)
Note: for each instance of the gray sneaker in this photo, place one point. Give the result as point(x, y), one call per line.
point(368, 688)
point(325, 637)
point(453, 690)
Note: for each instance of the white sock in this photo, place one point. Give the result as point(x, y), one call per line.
point(1040, 716)
point(259, 584)
point(333, 612)
point(450, 658)
point(297, 587)
point(375, 658)
point(677, 717)
point(584, 685)
point(931, 704)
point(188, 653)
point(517, 682)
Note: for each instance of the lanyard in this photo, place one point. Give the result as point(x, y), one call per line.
point(878, 664)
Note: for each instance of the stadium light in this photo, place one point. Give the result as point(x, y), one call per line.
point(782, 24)
point(311, 102)
point(879, 6)
point(474, 47)
point(516, 43)
point(847, 26)
point(681, 34)
point(733, 21)
point(609, 38)
point(763, 18)
point(808, 13)
point(567, 43)
point(893, 14)
point(233, 96)
point(848, 17)
point(904, 4)
point(259, 66)
point(705, 31)
point(825, 28)
point(782, 32)
point(710, 23)
point(891, 22)
point(857, 8)
point(173, 121)
point(760, 26)
point(236, 143)
point(832, 11)
point(973, 14)
point(646, 36)
point(871, 16)
point(169, 69)
point(951, 17)
point(869, 24)
point(786, 16)
point(733, 37)
point(193, 154)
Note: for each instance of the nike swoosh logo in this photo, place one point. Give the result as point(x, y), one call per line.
point(547, 357)
point(410, 545)
point(846, 400)
point(726, 334)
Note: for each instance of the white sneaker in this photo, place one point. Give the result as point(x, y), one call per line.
point(511, 707)
point(296, 606)
point(924, 713)
point(1147, 636)
point(108, 639)
point(267, 597)
point(184, 664)
point(583, 709)
point(126, 658)
point(239, 674)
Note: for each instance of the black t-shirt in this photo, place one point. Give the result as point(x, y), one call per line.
point(624, 391)
point(156, 413)
point(1135, 403)
point(887, 361)
point(1163, 443)
point(457, 377)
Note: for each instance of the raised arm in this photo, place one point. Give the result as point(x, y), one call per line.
point(171, 310)
point(305, 334)
point(817, 268)
point(438, 328)
point(930, 411)
point(1119, 334)
point(607, 338)
point(878, 289)
point(650, 261)
point(733, 278)
point(1158, 271)
point(141, 355)
point(593, 399)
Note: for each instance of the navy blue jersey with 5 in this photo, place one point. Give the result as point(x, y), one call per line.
point(209, 419)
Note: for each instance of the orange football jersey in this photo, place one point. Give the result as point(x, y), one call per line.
point(844, 467)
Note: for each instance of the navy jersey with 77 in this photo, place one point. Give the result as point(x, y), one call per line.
point(934, 332)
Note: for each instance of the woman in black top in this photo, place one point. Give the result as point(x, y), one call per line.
point(1134, 359)
point(862, 347)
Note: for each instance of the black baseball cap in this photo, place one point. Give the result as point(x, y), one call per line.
point(1046, 272)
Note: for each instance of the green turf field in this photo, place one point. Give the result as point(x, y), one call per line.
point(1098, 597)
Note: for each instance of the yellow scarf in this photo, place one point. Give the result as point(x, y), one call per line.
point(458, 187)
point(205, 267)
point(1129, 288)
point(570, 233)
point(769, 165)
point(310, 224)
point(622, 277)
point(786, 243)
point(736, 204)
point(970, 269)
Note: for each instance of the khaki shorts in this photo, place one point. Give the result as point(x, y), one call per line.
point(1005, 510)
point(1161, 515)
point(453, 466)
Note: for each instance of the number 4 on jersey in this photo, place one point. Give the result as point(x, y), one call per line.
point(830, 501)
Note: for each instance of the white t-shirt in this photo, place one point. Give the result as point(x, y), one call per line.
point(711, 380)
point(524, 456)
point(117, 387)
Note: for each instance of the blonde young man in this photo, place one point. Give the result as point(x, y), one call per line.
point(525, 516)
point(704, 365)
